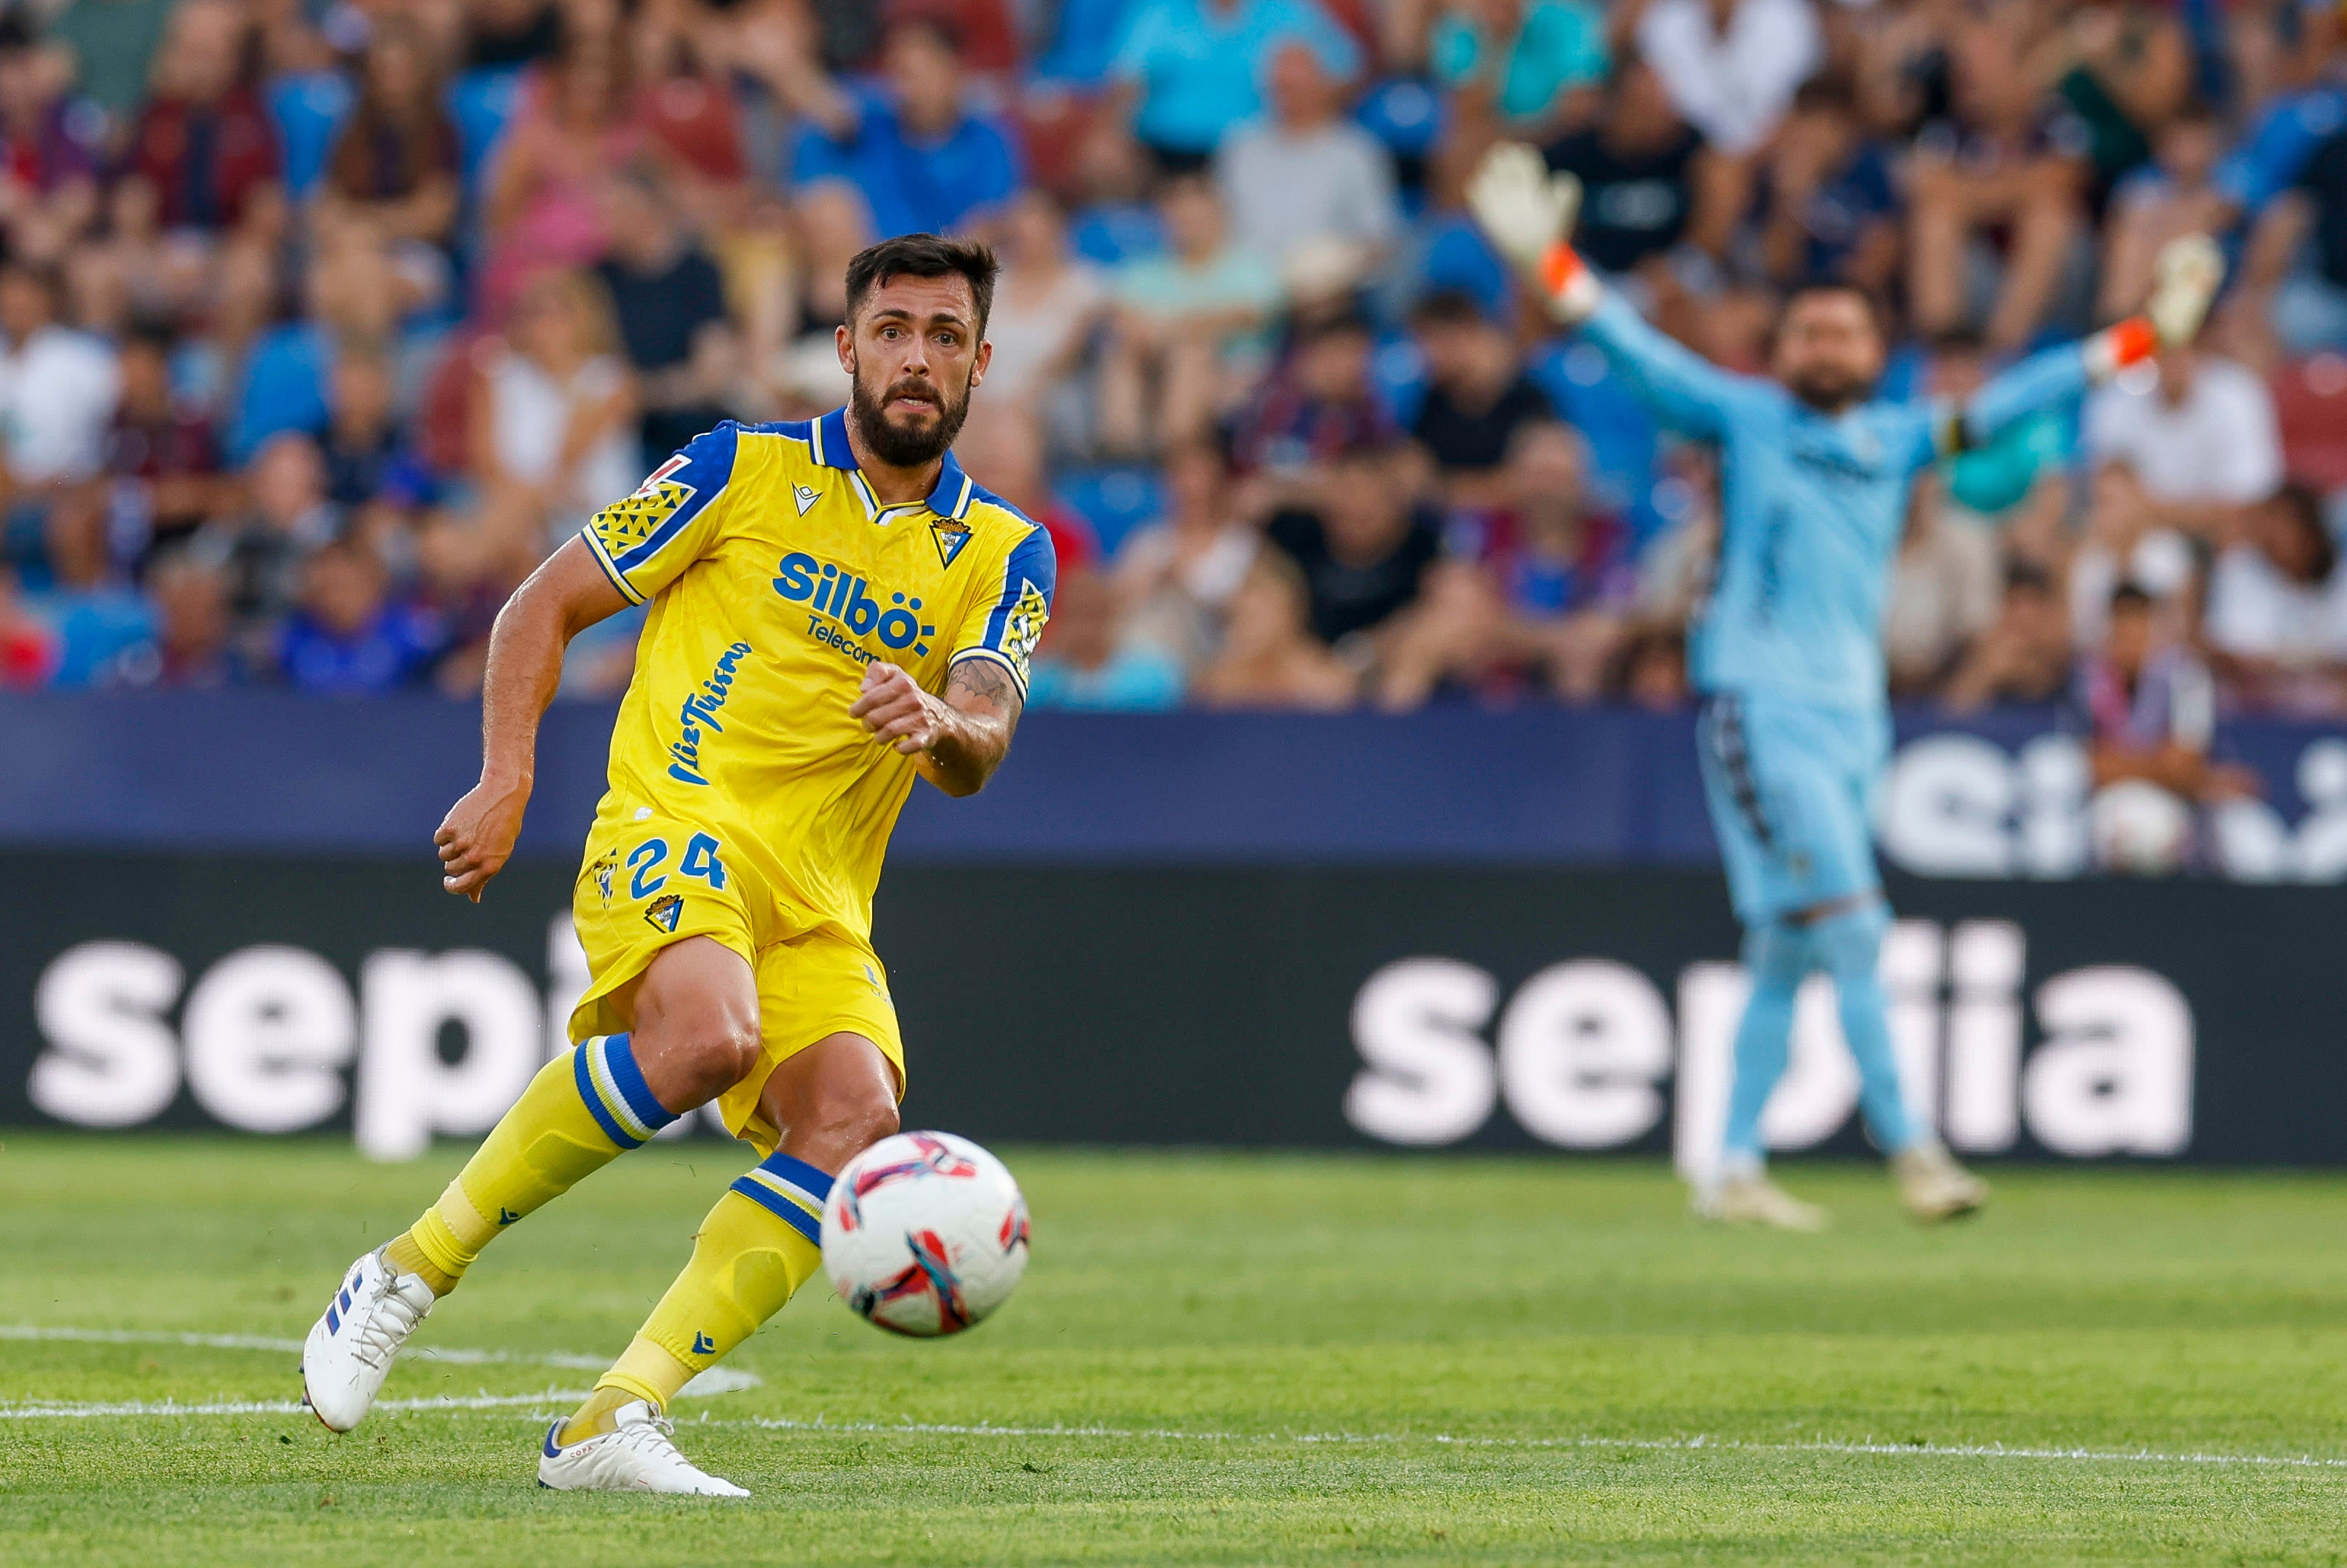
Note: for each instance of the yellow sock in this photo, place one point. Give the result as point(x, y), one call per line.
point(582, 1110)
point(757, 1246)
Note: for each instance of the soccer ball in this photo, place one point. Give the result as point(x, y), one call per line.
point(924, 1233)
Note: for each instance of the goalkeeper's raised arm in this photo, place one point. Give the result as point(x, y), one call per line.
point(1528, 215)
point(2188, 271)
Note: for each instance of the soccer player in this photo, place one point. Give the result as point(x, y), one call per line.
point(1788, 651)
point(837, 608)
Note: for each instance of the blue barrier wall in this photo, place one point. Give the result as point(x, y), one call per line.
point(1532, 786)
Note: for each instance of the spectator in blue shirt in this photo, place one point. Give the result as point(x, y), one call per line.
point(347, 634)
point(923, 161)
point(1525, 57)
point(1191, 69)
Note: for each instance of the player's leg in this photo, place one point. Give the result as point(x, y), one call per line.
point(1847, 937)
point(1760, 814)
point(694, 1016)
point(694, 1034)
point(761, 1242)
point(1748, 818)
point(1849, 941)
point(1777, 960)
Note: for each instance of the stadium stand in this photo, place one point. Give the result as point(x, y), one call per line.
point(322, 324)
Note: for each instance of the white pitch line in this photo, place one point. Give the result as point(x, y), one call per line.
point(1823, 1445)
point(1698, 1444)
point(729, 1380)
point(576, 1361)
point(43, 1409)
point(715, 1380)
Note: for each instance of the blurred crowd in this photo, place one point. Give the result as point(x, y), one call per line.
point(324, 320)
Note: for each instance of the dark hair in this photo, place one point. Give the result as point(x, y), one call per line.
point(924, 256)
point(151, 333)
point(1448, 308)
point(1827, 90)
point(2303, 506)
point(2028, 577)
point(1344, 318)
point(936, 24)
point(44, 275)
point(387, 149)
point(2131, 596)
point(1818, 286)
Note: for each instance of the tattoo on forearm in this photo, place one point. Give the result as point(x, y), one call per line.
point(985, 679)
point(983, 703)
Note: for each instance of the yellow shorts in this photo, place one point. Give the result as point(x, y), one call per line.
point(655, 881)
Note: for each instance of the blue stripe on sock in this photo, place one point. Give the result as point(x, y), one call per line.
point(775, 1203)
point(604, 1118)
point(799, 1174)
point(620, 1056)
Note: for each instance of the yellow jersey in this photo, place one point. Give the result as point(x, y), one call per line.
point(775, 577)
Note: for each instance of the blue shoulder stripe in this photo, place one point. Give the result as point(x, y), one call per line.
point(1033, 561)
point(978, 492)
point(702, 470)
point(791, 429)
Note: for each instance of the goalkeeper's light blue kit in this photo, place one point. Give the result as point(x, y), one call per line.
point(1788, 651)
point(1787, 655)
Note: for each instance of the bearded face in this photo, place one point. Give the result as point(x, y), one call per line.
point(1828, 353)
point(913, 354)
point(908, 420)
point(1828, 387)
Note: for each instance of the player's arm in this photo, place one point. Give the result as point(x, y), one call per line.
point(958, 740)
point(627, 554)
point(955, 741)
point(2187, 272)
point(565, 595)
point(1528, 215)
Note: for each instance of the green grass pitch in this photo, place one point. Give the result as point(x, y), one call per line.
point(1229, 1359)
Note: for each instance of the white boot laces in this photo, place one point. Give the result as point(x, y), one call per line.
point(388, 1320)
point(654, 1436)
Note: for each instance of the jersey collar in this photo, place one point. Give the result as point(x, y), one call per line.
point(949, 498)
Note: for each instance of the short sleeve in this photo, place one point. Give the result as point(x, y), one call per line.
point(995, 175)
point(1002, 625)
point(819, 155)
point(1586, 57)
point(1340, 56)
point(1452, 50)
point(1136, 44)
point(644, 541)
point(1920, 434)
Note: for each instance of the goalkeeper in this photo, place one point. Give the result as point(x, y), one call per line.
point(1788, 651)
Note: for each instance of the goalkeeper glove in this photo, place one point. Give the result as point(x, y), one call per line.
point(2185, 280)
point(2187, 274)
point(1528, 215)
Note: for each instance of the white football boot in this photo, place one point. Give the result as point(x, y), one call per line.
point(349, 1351)
point(638, 1454)
point(1933, 1186)
point(1750, 1198)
